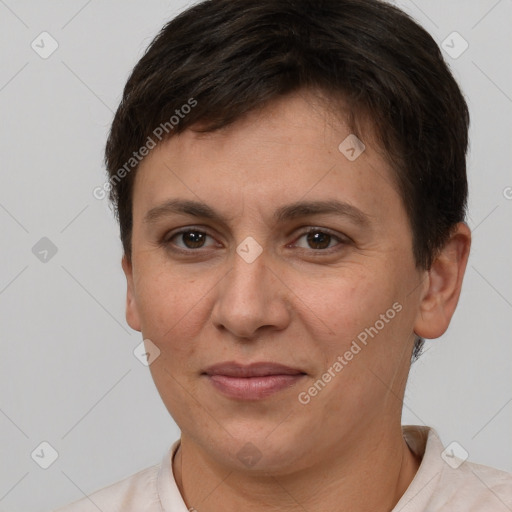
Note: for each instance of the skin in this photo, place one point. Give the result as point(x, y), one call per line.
point(298, 304)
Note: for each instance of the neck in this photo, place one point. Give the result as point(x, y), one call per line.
point(372, 477)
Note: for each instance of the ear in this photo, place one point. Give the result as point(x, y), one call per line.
point(132, 313)
point(441, 295)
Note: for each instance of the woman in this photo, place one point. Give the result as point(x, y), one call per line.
point(290, 182)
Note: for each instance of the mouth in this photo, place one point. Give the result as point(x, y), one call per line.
point(252, 382)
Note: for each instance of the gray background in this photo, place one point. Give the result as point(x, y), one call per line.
point(68, 375)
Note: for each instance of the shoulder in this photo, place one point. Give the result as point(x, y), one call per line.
point(447, 482)
point(473, 487)
point(133, 494)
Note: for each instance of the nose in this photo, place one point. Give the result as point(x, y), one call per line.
point(251, 299)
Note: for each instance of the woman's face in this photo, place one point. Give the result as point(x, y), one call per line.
point(290, 251)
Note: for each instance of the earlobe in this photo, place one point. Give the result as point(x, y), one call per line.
point(132, 313)
point(445, 277)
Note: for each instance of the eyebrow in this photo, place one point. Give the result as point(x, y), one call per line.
point(284, 213)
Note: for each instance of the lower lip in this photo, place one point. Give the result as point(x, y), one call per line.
point(253, 388)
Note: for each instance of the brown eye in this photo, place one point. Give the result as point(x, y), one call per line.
point(193, 239)
point(318, 240)
point(190, 239)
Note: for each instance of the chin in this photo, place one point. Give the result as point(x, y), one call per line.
point(266, 450)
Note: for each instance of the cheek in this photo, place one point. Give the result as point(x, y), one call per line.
point(172, 308)
point(341, 305)
point(358, 316)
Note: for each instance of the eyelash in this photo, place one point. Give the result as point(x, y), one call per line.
point(342, 240)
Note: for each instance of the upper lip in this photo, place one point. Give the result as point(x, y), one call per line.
point(260, 369)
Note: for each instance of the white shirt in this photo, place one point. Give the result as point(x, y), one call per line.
point(440, 484)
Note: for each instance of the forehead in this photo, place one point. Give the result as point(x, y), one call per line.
point(293, 148)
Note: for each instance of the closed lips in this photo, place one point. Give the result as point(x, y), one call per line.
point(261, 369)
